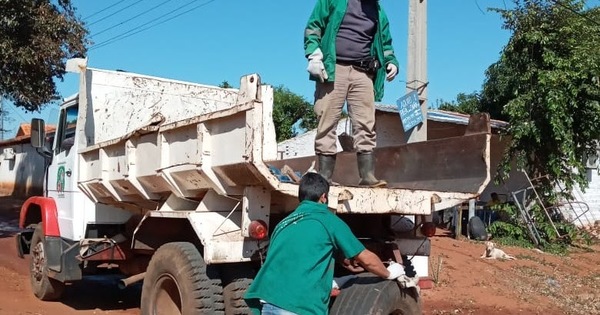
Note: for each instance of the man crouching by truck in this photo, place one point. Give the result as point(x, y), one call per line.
point(298, 272)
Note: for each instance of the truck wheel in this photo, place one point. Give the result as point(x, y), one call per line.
point(237, 278)
point(176, 282)
point(45, 288)
point(214, 274)
point(373, 295)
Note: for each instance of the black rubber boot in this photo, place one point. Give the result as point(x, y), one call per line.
point(366, 170)
point(326, 166)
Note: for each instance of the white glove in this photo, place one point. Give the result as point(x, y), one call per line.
point(391, 71)
point(316, 68)
point(396, 270)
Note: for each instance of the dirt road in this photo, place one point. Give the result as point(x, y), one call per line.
point(535, 283)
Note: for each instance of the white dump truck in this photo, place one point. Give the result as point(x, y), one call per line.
point(179, 185)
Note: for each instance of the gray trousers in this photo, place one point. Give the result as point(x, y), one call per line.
point(355, 87)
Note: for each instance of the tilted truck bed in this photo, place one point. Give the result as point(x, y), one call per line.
point(192, 153)
point(147, 138)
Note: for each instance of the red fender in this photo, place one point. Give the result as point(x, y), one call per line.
point(49, 214)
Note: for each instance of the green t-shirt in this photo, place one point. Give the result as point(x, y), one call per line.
point(298, 270)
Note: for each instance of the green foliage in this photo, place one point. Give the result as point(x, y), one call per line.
point(290, 112)
point(545, 85)
point(512, 230)
point(225, 85)
point(465, 104)
point(36, 39)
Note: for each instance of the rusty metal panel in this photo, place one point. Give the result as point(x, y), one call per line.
point(450, 165)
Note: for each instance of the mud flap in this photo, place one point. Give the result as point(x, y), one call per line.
point(23, 242)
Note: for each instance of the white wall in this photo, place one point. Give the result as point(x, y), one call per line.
point(591, 197)
point(21, 173)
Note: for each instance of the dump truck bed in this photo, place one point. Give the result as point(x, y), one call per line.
point(147, 138)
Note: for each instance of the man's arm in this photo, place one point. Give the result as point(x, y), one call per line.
point(372, 263)
point(315, 27)
point(386, 37)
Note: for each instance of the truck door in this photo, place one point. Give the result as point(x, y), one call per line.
point(62, 183)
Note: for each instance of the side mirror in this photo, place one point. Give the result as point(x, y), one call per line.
point(38, 133)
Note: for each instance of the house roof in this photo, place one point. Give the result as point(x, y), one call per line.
point(444, 116)
point(25, 130)
point(24, 134)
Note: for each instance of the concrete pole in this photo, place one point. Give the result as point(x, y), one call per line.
point(416, 69)
point(1, 118)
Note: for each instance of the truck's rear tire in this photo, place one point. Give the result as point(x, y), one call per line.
point(237, 278)
point(214, 274)
point(176, 282)
point(45, 288)
point(369, 294)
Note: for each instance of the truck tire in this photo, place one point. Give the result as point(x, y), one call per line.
point(44, 287)
point(237, 278)
point(176, 282)
point(214, 274)
point(369, 294)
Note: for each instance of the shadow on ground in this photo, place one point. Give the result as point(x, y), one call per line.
point(102, 292)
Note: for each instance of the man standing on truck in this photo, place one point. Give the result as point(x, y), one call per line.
point(346, 43)
point(297, 275)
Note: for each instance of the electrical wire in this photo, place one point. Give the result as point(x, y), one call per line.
point(141, 28)
point(110, 15)
point(557, 2)
point(132, 18)
point(13, 109)
point(126, 33)
point(102, 10)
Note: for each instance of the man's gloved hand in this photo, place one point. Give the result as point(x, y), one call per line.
point(396, 270)
point(391, 71)
point(316, 68)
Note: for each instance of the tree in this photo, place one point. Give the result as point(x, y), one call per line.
point(545, 84)
point(465, 103)
point(36, 39)
point(291, 113)
point(225, 85)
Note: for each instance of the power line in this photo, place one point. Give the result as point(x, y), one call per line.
point(132, 18)
point(124, 34)
point(557, 2)
point(15, 111)
point(106, 17)
point(141, 28)
point(98, 12)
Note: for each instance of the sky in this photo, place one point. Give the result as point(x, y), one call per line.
point(211, 41)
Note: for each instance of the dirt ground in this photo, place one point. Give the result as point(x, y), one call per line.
point(535, 283)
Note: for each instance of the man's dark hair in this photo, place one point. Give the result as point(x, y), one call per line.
point(312, 186)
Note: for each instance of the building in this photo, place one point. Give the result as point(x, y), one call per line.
point(21, 167)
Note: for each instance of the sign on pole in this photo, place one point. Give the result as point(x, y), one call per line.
point(410, 111)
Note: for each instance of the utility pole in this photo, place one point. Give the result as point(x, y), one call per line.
point(416, 69)
point(1, 118)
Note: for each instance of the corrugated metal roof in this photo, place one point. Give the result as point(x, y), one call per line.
point(443, 116)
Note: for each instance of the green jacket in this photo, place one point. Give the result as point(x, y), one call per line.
point(298, 272)
point(321, 32)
